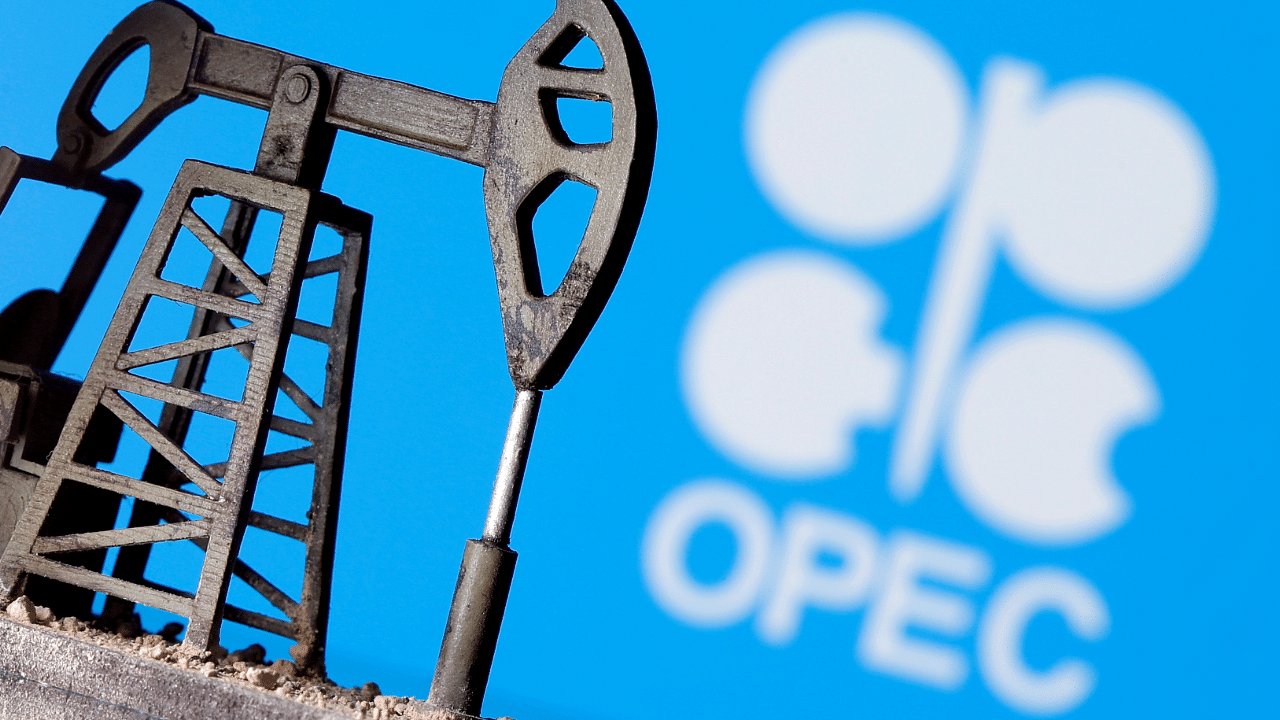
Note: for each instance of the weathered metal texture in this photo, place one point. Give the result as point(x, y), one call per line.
point(471, 635)
point(15, 490)
point(518, 140)
point(484, 580)
point(329, 439)
point(325, 434)
point(45, 675)
point(531, 154)
point(295, 149)
point(526, 154)
point(45, 400)
point(33, 330)
point(188, 59)
point(221, 506)
point(36, 405)
point(84, 145)
point(16, 395)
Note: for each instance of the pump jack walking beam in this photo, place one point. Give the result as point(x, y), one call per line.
point(519, 140)
point(526, 154)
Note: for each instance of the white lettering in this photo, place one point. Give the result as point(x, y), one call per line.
point(807, 533)
point(665, 548)
point(915, 586)
point(903, 603)
point(1000, 638)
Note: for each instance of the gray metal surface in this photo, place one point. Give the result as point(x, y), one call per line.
point(526, 154)
point(33, 330)
point(530, 154)
point(220, 506)
point(45, 675)
point(515, 455)
point(471, 634)
point(37, 403)
point(15, 491)
point(294, 149)
point(519, 140)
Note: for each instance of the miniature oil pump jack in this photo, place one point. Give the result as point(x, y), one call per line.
point(526, 154)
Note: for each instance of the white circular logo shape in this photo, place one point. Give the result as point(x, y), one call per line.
point(783, 364)
point(1039, 410)
point(854, 127)
point(1112, 195)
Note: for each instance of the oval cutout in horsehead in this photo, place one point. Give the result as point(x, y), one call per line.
point(530, 155)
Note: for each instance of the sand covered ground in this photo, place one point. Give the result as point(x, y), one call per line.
point(246, 667)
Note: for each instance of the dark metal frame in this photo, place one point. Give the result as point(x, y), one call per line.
point(525, 153)
point(221, 508)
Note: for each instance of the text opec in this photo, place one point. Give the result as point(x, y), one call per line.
point(909, 583)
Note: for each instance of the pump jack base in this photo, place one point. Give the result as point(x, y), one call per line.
point(51, 676)
point(45, 674)
point(430, 712)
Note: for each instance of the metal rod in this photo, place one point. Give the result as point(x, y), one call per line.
point(479, 600)
point(515, 454)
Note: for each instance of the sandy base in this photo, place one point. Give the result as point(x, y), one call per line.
point(244, 667)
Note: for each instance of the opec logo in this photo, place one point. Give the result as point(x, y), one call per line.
point(1099, 193)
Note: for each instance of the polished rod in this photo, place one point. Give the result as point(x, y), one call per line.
point(515, 454)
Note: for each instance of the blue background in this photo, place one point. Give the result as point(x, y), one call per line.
point(1191, 580)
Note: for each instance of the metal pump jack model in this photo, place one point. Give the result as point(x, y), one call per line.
point(55, 430)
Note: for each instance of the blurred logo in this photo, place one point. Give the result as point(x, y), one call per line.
point(1098, 193)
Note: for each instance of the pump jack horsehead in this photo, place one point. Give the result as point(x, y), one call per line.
point(53, 545)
